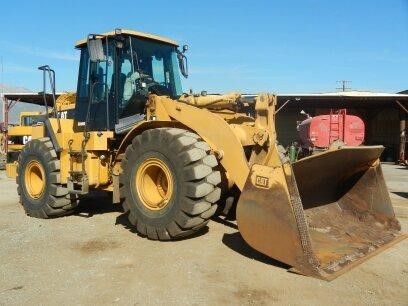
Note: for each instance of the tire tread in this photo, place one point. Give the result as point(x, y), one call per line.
point(200, 191)
point(56, 203)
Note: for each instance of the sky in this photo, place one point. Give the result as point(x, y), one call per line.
point(246, 46)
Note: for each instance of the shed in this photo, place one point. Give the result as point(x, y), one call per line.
point(384, 115)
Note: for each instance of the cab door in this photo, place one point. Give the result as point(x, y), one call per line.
point(94, 94)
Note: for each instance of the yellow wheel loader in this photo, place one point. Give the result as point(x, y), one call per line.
point(168, 157)
point(18, 135)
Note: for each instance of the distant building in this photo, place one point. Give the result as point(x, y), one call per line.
point(384, 115)
point(15, 110)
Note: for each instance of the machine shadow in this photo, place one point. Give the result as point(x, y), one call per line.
point(123, 220)
point(236, 243)
point(225, 222)
point(401, 194)
point(95, 204)
point(101, 203)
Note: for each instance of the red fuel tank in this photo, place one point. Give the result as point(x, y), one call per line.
point(321, 131)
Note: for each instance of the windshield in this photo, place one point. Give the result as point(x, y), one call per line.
point(154, 62)
point(146, 66)
point(26, 121)
point(29, 120)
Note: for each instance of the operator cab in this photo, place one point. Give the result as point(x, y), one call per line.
point(117, 71)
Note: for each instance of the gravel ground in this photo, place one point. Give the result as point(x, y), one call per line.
point(93, 257)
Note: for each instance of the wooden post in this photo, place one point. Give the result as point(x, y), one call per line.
point(403, 138)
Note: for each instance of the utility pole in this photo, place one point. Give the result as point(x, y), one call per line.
point(343, 86)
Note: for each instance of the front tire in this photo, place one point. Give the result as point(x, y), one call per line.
point(38, 181)
point(169, 183)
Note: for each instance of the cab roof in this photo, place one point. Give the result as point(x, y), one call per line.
point(138, 34)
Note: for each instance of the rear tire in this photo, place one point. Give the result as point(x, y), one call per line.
point(38, 181)
point(169, 183)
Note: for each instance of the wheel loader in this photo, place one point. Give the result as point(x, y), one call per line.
point(168, 157)
point(17, 136)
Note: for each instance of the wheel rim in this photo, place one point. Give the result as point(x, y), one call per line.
point(154, 184)
point(35, 179)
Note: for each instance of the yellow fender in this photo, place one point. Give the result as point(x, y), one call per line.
point(209, 126)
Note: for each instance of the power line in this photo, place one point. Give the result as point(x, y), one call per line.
point(343, 86)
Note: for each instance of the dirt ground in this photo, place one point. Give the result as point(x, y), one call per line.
point(93, 257)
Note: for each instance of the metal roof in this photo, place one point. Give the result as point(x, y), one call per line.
point(31, 98)
point(346, 99)
point(82, 42)
point(351, 94)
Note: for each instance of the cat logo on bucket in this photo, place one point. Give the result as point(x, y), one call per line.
point(261, 181)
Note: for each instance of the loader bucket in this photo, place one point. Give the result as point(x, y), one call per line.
point(321, 215)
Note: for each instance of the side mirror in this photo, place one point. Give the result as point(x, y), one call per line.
point(183, 64)
point(183, 61)
point(95, 49)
